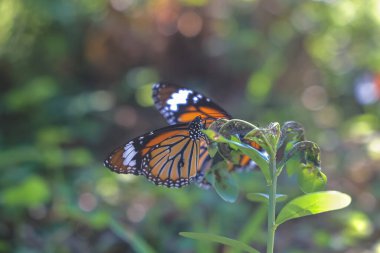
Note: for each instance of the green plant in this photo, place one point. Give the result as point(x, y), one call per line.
point(284, 147)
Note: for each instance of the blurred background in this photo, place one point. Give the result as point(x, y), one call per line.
point(76, 81)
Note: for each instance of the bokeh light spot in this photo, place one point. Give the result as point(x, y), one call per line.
point(108, 189)
point(360, 172)
point(136, 212)
point(374, 148)
point(33, 191)
point(126, 116)
point(359, 225)
point(195, 2)
point(36, 91)
point(121, 5)
point(166, 15)
point(367, 201)
point(140, 76)
point(314, 97)
point(367, 89)
point(126, 177)
point(87, 202)
point(101, 100)
point(327, 117)
point(362, 126)
point(189, 24)
point(259, 86)
point(376, 247)
point(347, 12)
point(9, 11)
point(144, 95)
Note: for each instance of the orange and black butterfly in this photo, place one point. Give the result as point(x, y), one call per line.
point(172, 156)
point(180, 105)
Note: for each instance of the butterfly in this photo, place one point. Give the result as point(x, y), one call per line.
point(180, 105)
point(172, 156)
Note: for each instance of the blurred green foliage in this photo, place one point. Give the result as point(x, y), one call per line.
point(75, 78)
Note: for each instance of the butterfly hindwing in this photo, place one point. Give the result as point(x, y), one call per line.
point(169, 156)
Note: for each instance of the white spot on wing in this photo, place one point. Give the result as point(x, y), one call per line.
point(178, 98)
point(128, 155)
point(128, 148)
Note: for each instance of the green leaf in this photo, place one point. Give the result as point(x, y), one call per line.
point(36, 91)
point(212, 149)
point(260, 159)
point(214, 136)
point(264, 198)
point(99, 219)
point(267, 137)
point(236, 127)
point(79, 157)
point(255, 155)
point(217, 124)
point(33, 191)
point(273, 134)
point(219, 239)
point(308, 152)
point(311, 180)
point(235, 156)
point(291, 133)
point(304, 161)
point(233, 130)
point(313, 203)
point(137, 243)
point(293, 165)
point(260, 136)
point(223, 182)
point(232, 146)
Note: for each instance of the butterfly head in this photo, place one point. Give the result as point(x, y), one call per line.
point(197, 122)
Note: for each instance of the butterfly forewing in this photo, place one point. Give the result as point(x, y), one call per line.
point(181, 105)
point(168, 156)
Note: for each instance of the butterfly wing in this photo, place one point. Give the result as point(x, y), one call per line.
point(169, 156)
point(181, 105)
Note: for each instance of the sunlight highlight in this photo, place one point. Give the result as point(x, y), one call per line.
point(374, 148)
point(190, 24)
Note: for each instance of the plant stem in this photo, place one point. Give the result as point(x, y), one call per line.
point(272, 204)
